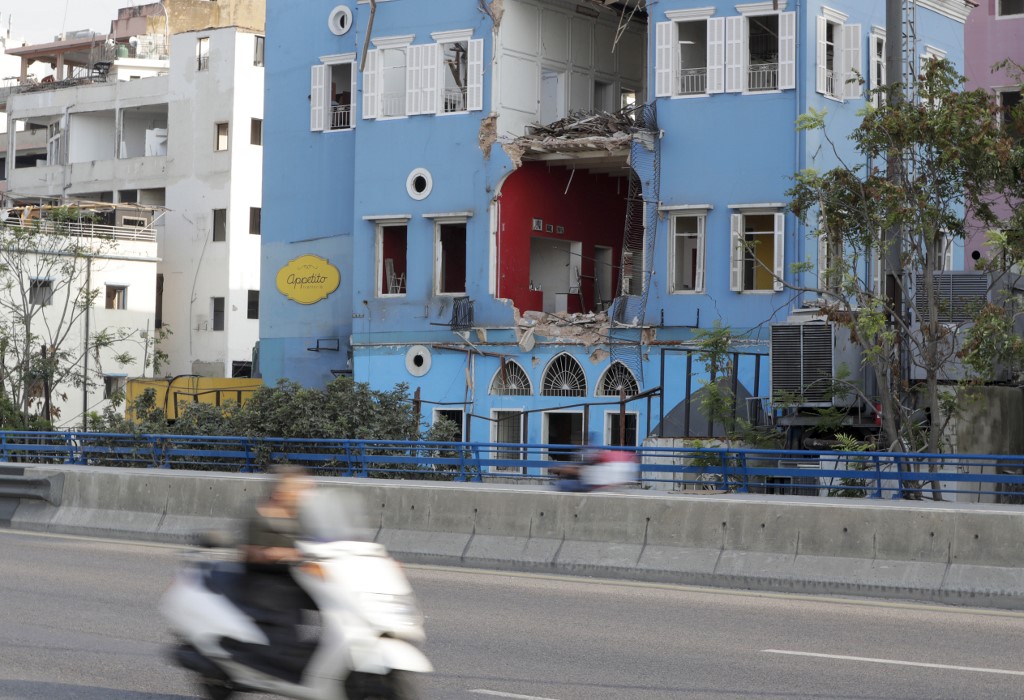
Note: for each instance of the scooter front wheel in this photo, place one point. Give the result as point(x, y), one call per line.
point(397, 685)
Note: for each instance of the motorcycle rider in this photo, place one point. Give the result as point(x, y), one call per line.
point(269, 552)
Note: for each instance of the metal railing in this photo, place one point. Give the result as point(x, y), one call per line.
point(341, 117)
point(693, 81)
point(454, 100)
point(830, 83)
point(89, 230)
point(780, 472)
point(763, 76)
point(203, 62)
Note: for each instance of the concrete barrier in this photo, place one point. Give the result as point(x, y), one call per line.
point(950, 553)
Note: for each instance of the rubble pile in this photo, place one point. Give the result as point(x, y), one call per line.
point(580, 131)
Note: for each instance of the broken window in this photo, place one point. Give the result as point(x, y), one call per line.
point(455, 71)
point(203, 53)
point(688, 251)
point(453, 415)
point(757, 252)
point(760, 52)
point(143, 132)
point(839, 57)
point(564, 377)
point(392, 248)
point(619, 433)
point(117, 296)
point(508, 430)
point(450, 272)
point(511, 380)
point(241, 369)
point(617, 378)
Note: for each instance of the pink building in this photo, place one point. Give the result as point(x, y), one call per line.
point(994, 32)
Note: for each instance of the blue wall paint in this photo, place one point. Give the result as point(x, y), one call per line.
point(719, 150)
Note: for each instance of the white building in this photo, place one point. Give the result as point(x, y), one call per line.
point(173, 124)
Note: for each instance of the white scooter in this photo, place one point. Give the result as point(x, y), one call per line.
point(369, 623)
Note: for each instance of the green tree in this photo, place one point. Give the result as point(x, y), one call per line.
point(45, 295)
point(953, 164)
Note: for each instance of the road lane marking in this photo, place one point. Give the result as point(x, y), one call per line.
point(894, 662)
point(515, 696)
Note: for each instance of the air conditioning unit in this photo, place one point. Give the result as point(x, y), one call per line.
point(806, 360)
point(202, 323)
point(961, 295)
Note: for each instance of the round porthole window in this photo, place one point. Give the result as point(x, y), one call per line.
point(419, 184)
point(417, 360)
point(340, 20)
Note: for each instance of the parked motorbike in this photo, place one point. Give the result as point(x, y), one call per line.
point(364, 645)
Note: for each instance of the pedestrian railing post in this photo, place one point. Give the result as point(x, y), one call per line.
point(877, 461)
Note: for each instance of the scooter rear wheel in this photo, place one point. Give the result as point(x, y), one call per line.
point(212, 690)
point(397, 685)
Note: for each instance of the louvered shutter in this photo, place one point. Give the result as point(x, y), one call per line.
point(353, 92)
point(852, 68)
point(821, 81)
point(735, 54)
point(780, 250)
point(663, 60)
point(430, 73)
point(475, 93)
point(698, 274)
point(318, 98)
point(716, 55)
point(787, 51)
point(413, 72)
point(371, 85)
point(877, 65)
point(737, 254)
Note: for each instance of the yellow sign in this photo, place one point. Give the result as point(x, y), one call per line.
point(308, 279)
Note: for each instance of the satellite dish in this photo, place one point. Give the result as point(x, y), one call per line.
point(134, 41)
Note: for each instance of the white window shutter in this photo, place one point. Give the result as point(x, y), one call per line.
point(475, 92)
point(852, 68)
point(821, 82)
point(698, 274)
point(787, 50)
point(780, 250)
point(716, 55)
point(371, 85)
point(664, 59)
point(737, 254)
point(318, 98)
point(877, 66)
point(735, 54)
point(947, 253)
point(413, 71)
point(354, 91)
point(430, 74)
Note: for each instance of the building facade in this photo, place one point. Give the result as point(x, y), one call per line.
point(521, 262)
point(994, 33)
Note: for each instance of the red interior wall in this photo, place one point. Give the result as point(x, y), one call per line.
point(393, 245)
point(593, 211)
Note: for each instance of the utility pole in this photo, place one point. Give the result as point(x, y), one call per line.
point(892, 264)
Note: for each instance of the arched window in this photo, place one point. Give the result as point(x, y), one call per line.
point(616, 378)
point(514, 382)
point(564, 377)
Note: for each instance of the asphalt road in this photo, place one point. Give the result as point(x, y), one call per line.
point(78, 620)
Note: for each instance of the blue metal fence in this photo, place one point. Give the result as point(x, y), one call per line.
point(853, 474)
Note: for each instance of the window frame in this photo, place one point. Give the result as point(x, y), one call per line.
point(119, 383)
point(668, 50)
point(610, 416)
point(115, 297)
point(255, 221)
point(381, 274)
point(222, 214)
point(255, 131)
point(497, 416)
point(321, 112)
point(40, 291)
point(738, 249)
point(700, 272)
point(202, 53)
point(252, 302)
point(259, 55)
point(439, 223)
point(215, 315)
point(1001, 15)
point(217, 137)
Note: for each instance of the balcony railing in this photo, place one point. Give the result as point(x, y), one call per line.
point(763, 76)
point(830, 83)
point(454, 99)
point(341, 117)
point(90, 230)
point(392, 104)
point(203, 63)
point(693, 81)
